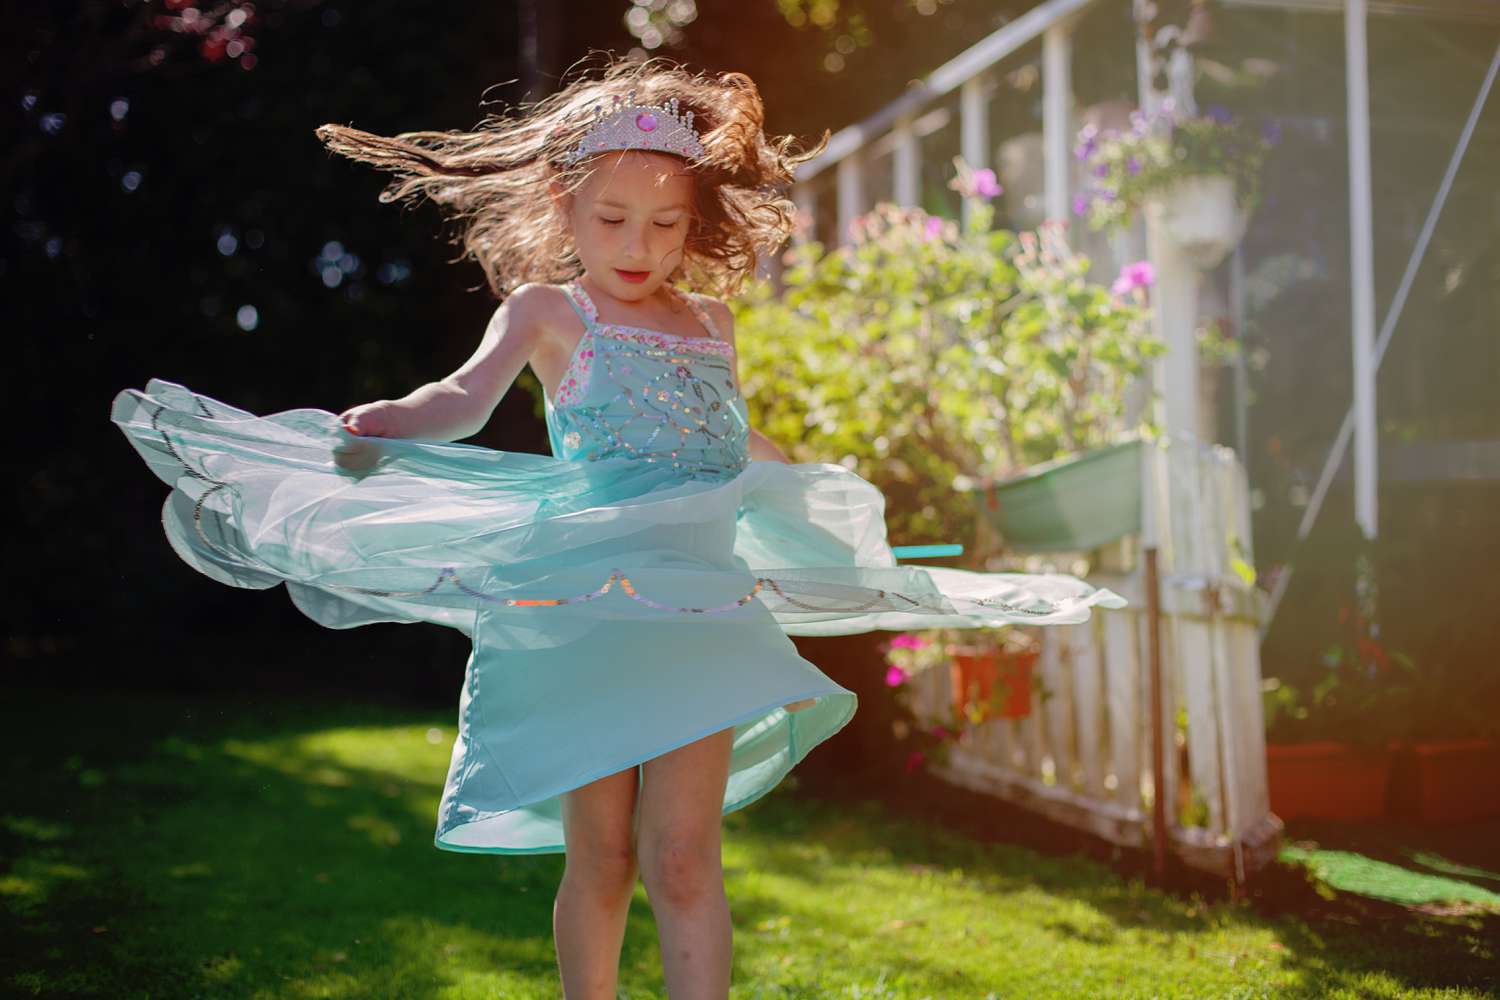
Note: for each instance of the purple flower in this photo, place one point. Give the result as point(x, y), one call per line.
point(906, 640)
point(894, 676)
point(1219, 113)
point(985, 185)
point(1102, 170)
point(1132, 276)
point(1133, 165)
point(1271, 132)
point(1106, 194)
point(1080, 204)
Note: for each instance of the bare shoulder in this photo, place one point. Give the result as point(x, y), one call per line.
point(543, 308)
point(720, 313)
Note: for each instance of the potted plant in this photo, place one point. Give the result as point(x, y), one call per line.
point(1200, 175)
point(1328, 747)
point(1446, 756)
point(992, 677)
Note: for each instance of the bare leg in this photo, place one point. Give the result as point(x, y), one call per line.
point(593, 901)
point(681, 812)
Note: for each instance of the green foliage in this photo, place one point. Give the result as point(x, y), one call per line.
point(926, 354)
point(1160, 150)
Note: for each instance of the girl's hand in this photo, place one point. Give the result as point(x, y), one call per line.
point(375, 419)
point(366, 423)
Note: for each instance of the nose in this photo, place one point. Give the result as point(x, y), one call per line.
point(635, 242)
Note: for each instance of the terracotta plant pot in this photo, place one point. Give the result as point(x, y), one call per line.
point(1446, 782)
point(974, 673)
point(1327, 780)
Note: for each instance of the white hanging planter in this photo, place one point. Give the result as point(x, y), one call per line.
point(1202, 217)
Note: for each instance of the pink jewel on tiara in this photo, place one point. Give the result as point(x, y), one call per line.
point(645, 121)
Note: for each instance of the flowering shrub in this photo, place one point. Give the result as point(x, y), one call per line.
point(1159, 150)
point(930, 352)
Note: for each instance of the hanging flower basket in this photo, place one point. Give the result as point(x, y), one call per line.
point(1202, 215)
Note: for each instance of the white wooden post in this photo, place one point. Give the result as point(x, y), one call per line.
point(974, 128)
point(1362, 266)
point(1174, 301)
point(1057, 107)
point(906, 164)
point(851, 186)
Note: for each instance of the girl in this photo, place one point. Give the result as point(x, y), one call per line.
point(629, 598)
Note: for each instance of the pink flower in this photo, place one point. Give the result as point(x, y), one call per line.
point(984, 184)
point(906, 640)
point(934, 228)
point(895, 676)
point(1132, 276)
point(914, 760)
point(939, 733)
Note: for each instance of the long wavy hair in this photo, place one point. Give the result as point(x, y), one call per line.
point(494, 180)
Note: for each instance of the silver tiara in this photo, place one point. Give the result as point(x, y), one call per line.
point(628, 125)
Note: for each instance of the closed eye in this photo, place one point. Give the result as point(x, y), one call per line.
point(616, 222)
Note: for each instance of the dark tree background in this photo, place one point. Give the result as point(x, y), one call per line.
point(171, 214)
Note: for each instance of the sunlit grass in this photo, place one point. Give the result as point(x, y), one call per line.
point(232, 848)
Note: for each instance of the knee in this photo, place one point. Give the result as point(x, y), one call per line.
point(681, 871)
point(609, 868)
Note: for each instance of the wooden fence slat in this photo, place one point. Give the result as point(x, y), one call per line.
point(1089, 720)
point(1122, 680)
point(1057, 713)
point(1196, 668)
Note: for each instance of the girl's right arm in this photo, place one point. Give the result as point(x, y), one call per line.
point(459, 404)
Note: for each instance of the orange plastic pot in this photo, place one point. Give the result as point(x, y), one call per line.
point(975, 674)
point(1453, 781)
point(1327, 780)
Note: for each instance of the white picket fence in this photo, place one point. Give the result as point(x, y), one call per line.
point(1083, 756)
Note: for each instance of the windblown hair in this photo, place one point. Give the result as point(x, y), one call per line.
point(494, 180)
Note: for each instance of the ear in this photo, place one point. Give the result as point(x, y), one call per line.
point(562, 199)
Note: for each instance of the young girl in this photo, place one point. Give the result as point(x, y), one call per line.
point(629, 598)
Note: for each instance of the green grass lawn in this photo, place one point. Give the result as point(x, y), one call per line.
point(159, 846)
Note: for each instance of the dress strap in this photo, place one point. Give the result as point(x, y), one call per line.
point(582, 304)
point(701, 312)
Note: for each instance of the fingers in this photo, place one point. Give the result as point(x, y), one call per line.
point(356, 456)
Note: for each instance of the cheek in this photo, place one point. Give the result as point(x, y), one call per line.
point(671, 243)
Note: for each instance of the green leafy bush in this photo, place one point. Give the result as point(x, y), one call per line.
point(927, 355)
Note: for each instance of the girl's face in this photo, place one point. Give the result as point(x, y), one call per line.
point(630, 220)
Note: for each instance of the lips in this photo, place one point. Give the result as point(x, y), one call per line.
point(633, 276)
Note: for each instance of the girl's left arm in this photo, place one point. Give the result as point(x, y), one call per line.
point(762, 448)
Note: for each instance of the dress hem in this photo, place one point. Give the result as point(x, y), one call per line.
point(740, 804)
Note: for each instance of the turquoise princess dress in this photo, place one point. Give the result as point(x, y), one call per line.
point(632, 593)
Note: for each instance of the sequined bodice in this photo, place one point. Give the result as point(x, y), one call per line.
point(630, 392)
